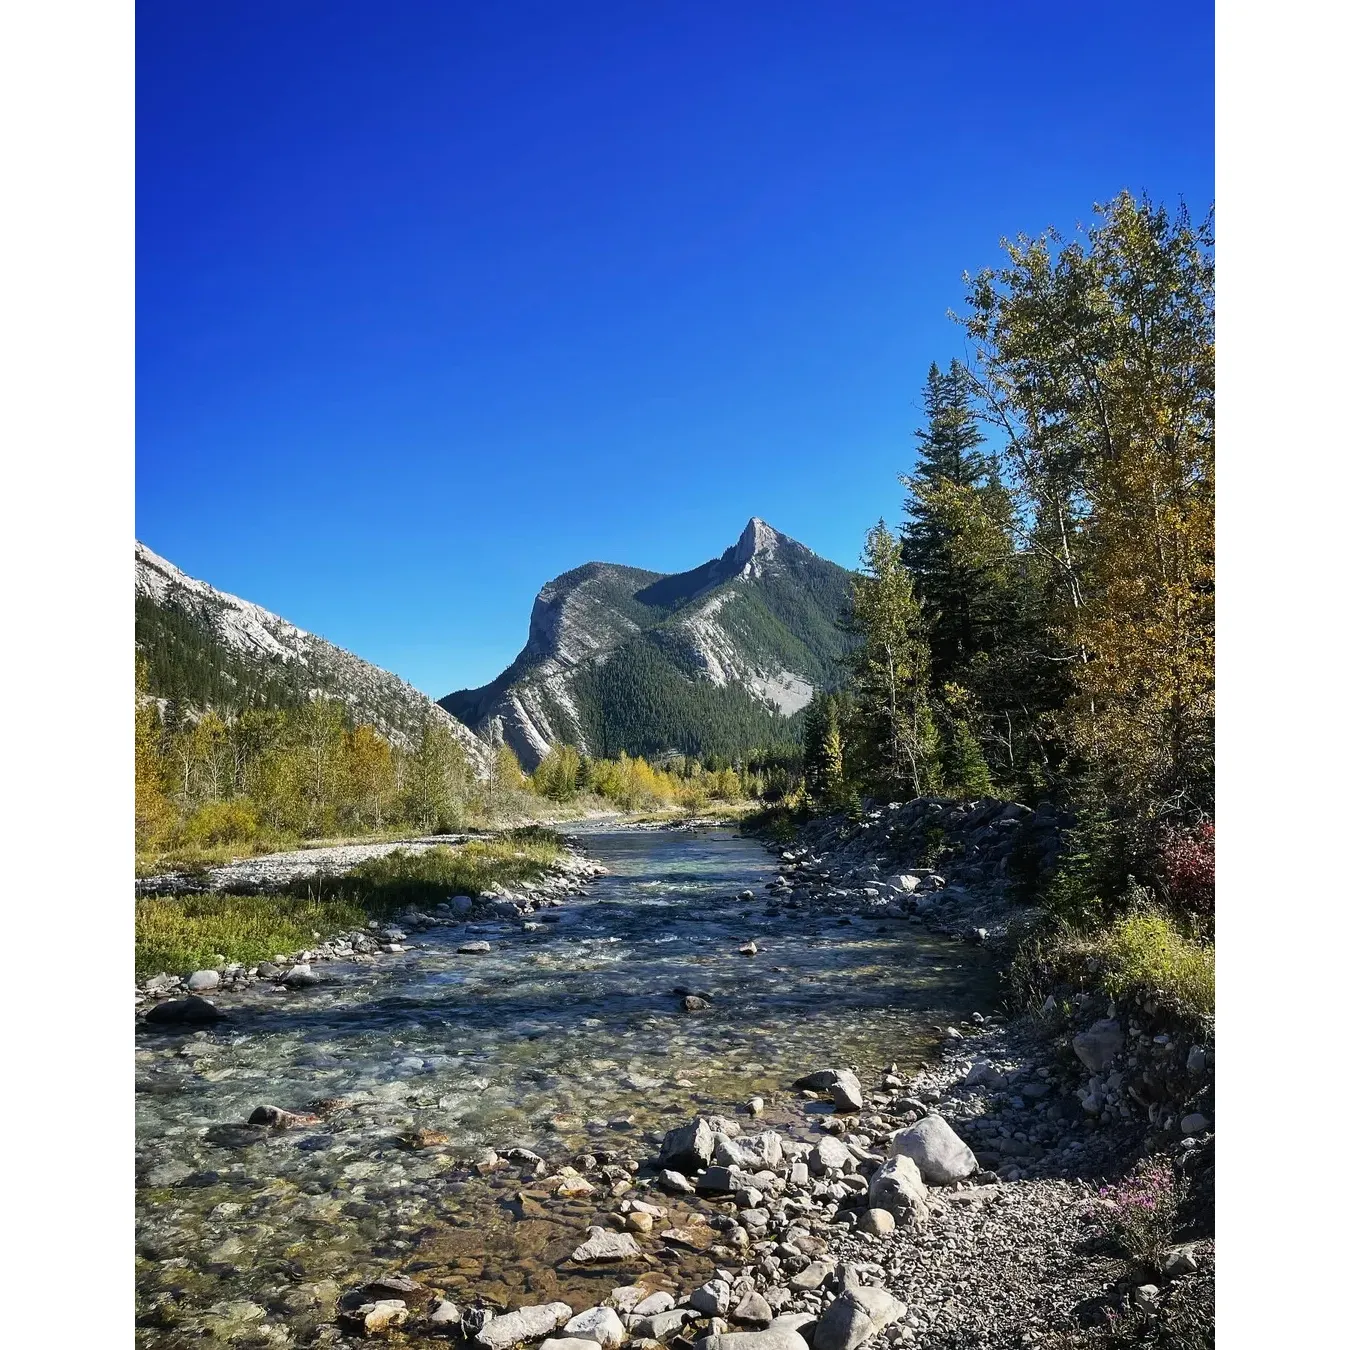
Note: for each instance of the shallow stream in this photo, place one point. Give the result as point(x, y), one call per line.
point(566, 1040)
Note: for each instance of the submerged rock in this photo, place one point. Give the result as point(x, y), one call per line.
point(183, 1010)
point(604, 1245)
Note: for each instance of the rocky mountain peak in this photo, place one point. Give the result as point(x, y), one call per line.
point(759, 540)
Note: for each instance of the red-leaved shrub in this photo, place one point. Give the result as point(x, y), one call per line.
point(1186, 869)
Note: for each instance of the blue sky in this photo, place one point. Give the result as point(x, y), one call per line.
point(438, 300)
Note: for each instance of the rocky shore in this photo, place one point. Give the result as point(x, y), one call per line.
point(182, 997)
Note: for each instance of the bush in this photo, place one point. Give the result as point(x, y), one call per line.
point(1186, 871)
point(227, 822)
point(1140, 1212)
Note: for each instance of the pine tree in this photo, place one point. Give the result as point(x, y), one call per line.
point(892, 729)
point(823, 755)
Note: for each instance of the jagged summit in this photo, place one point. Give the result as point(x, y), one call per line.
point(712, 659)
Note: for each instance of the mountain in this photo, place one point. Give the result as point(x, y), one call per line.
point(204, 647)
point(714, 660)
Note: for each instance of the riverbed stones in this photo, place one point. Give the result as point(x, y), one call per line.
point(202, 981)
point(941, 1154)
point(301, 976)
point(276, 1118)
point(461, 906)
point(476, 948)
point(876, 1222)
point(524, 1324)
point(660, 1326)
point(1195, 1123)
point(382, 1316)
point(605, 1245)
point(600, 1324)
point(823, 1080)
point(846, 1094)
point(674, 1182)
point(1099, 1044)
point(831, 1155)
point(183, 1011)
point(569, 1343)
point(753, 1310)
point(688, 1148)
point(652, 1304)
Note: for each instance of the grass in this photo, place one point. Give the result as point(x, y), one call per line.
point(181, 933)
point(1143, 953)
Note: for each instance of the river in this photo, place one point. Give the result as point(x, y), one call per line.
point(567, 1040)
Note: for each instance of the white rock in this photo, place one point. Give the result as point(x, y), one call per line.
point(942, 1156)
point(601, 1325)
point(524, 1324)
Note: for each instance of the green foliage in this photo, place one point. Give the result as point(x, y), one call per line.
point(824, 779)
point(559, 773)
point(186, 932)
point(222, 822)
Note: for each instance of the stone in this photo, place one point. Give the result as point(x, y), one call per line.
point(877, 1222)
point(524, 1324)
point(831, 1155)
point(200, 981)
point(652, 1304)
point(1178, 1262)
point(604, 1245)
point(675, 1182)
point(1197, 1060)
point(687, 1148)
point(184, 1010)
point(569, 1343)
point(941, 1154)
point(856, 1315)
point(725, 1180)
point(755, 1105)
point(444, 1313)
point(810, 1277)
point(384, 1316)
point(301, 976)
point(749, 949)
point(897, 1187)
point(1099, 1044)
point(601, 1325)
point(461, 906)
point(278, 1119)
point(1195, 1123)
point(712, 1299)
point(397, 1286)
point(847, 1094)
point(772, 1338)
point(660, 1325)
point(637, 1222)
point(822, 1080)
point(478, 948)
point(754, 1310)
point(693, 1003)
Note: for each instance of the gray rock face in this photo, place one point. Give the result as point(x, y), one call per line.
point(688, 1148)
point(772, 1338)
point(897, 1187)
point(202, 981)
point(184, 1010)
point(1099, 1044)
point(942, 1156)
point(525, 1324)
point(855, 1316)
point(604, 1245)
point(601, 1325)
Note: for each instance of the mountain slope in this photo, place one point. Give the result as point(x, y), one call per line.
point(713, 660)
point(205, 647)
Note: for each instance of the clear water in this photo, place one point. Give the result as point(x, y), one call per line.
point(565, 1040)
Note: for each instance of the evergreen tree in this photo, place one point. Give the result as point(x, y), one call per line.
point(893, 731)
point(823, 756)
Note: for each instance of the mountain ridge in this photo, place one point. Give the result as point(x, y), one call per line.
point(199, 638)
point(744, 639)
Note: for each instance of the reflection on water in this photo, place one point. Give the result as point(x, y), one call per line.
point(567, 1039)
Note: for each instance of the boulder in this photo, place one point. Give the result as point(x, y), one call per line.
point(675, 1182)
point(1195, 1123)
point(941, 1154)
point(604, 1245)
point(725, 1180)
point(876, 1222)
point(823, 1080)
point(831, 1154)
point(712, 1299)
point(461, 906)
point(754, 1310)
point(200, 981)
point(855, 1316)
point(771, 1338)
point(601, 1325)
point(474, 948)
point(524, 1324)
point(660, 1325)
point(301, 976)
point(897, 1187)
point(569, 1343)
point(847, 1094)
point(652, 1304)
point(177, 1011)
point(1099, 1044)
point(688, 1148)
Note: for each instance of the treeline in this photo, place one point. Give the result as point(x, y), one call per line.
point(686, 781)
point(1042, 624)
point(307, 771)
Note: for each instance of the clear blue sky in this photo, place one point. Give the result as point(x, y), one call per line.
point(437, 300)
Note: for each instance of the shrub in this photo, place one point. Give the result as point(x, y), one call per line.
point(1140, 1212)
point(226, 822)
point(1186, 870)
